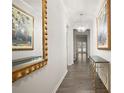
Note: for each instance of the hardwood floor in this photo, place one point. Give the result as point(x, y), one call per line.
point(79, 79)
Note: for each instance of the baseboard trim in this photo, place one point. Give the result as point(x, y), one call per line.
point(70, 64)
point(60, 81)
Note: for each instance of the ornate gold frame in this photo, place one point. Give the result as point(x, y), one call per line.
point(108, 25)
point(17, 74)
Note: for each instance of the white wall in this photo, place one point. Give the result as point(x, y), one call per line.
point(46, 79)
point(70, 45)
point(74, 45)
point(37, 51)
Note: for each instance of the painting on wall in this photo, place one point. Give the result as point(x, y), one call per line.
point(22, 29)
point(103, 27)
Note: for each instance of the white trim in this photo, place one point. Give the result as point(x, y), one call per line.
point(60, 81)
point(70, 64)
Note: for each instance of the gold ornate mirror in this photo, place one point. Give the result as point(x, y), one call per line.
point(23, 25)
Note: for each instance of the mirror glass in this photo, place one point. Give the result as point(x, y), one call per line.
point(27, 29)
point(29, 38)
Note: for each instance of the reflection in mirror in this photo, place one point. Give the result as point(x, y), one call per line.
point(22, 29)
point(29, 37)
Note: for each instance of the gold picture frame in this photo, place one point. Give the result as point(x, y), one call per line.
point(26, 69)
point(104, 27)
point(22, 29)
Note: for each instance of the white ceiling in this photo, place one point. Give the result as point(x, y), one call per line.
point(88, 8)
point(73, 8)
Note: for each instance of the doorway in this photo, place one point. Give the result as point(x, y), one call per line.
point(82, 48)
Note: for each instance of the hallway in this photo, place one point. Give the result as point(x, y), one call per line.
point(51, 50)
point(79, 79)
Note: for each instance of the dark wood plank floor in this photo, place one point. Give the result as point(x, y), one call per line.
point(79, 79)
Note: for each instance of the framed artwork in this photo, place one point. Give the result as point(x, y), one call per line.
point(22, 29)
point(104, 27)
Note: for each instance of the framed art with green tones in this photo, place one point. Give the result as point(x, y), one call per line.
point(22, 29)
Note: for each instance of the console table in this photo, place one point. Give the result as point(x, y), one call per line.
point(100, 67)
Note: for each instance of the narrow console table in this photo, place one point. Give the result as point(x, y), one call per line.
point(100, 67)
